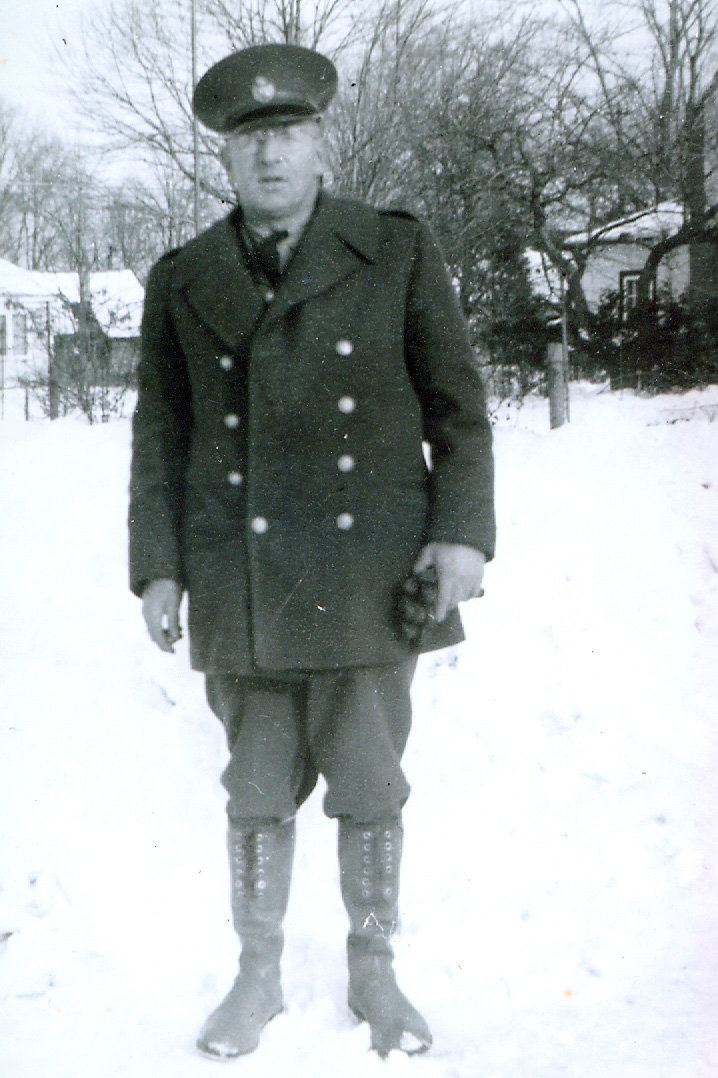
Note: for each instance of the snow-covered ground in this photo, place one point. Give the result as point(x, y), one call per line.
point(561, 872)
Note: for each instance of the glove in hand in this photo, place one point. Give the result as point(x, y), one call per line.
point(414, 605)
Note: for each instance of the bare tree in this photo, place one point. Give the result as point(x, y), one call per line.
point(659, 105)
point(506, 132)
point(147, 216)
point(330, 25)
point(371, 152)
point(8, 175)
point(42, 176)
point(134, 66)
point(564, 125)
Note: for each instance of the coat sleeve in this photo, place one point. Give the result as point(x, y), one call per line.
point(446, 377)
point(161, 429)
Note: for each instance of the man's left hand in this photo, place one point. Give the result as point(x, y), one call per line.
point(459, 572)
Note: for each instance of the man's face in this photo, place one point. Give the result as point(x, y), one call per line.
point(275, 169)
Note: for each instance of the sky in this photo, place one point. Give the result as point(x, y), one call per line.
point(29, 33)
point(34, 33)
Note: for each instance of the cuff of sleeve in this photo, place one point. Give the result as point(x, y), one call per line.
point(484, 541)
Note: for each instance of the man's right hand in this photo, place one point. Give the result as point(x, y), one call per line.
point(160, 608)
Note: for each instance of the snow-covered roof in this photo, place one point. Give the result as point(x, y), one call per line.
point(16, 281)
point(117, 296)
point(644, 225)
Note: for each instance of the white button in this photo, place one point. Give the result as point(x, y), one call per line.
point(346, 404)
point(345, 521)
point(235, 478)
point(345, 462)
point(269, 295)
point(226, 363)
point(344, 347)
point(231, 421)
point(259, 525)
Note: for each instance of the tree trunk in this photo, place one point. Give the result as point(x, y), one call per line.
point(701, 255)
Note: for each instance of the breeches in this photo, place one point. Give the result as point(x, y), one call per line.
point(283, 731)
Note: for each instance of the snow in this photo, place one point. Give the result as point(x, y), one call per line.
point(544, 279)
point(117, 297)
point(559, 914)
point(16, 281)
point(665, 219)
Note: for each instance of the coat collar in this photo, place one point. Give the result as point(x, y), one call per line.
point(340, 236)
point(212, 268)
point(218, 284)
point(354, 223)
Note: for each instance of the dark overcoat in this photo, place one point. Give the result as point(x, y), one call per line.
point(278, 470)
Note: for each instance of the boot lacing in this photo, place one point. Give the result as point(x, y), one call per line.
point(249, 858)
point(379, 880)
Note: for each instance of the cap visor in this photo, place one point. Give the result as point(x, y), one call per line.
point(271, 116)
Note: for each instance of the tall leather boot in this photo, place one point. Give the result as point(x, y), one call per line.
point(369, 862)
point(261, 854)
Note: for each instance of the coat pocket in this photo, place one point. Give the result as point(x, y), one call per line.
point(212, 515)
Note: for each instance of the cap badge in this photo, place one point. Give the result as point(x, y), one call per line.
point(263, 90)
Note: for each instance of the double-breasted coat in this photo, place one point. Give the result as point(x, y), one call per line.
point(279, 470)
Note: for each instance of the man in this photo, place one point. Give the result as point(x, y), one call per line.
point(295, 357)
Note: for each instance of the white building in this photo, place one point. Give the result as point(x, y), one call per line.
point(37, 309)
point(617, 253)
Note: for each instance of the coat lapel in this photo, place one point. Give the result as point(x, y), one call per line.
point(340, 237)
point(214, 275)
point(216, 280)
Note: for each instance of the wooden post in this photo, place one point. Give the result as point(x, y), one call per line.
point(52, 387)
point(557, 384)
point(564, 346)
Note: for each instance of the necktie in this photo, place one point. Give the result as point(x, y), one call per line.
point(267, 258)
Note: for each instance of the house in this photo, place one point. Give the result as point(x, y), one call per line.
point(615, 255)
point(654, 351)
point(617, 252)
point(116, 298)
point(24, 304)
point(38, 321)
